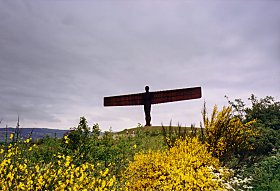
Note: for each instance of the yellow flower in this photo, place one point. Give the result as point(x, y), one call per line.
point(135, 146)
point(66, 139)
point(27, 140)
point(21, 186)
point(183, 167)
point(11, 136)
point(23, 174)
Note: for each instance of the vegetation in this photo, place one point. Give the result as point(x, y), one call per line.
point(18, 172)
point(227, 136)
point(236, 148)
point(263, 162)
point(186, 166)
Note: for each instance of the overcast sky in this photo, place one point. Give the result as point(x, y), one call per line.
point(59, 58)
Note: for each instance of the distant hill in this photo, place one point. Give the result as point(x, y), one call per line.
point(37, 133)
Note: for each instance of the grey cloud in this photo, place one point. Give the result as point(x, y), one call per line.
point(58, 59)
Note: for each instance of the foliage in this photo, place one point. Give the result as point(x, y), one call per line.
point(81, 140)
point(186, 166)
point(266, 112)
point(226, 135)
point(171, 133)
point(107, 150)
point(108, 153)
point(264, 169)
point(79, 136)
point(17, 172)
point(265, 173)
point(45, 150)
point(180, 158)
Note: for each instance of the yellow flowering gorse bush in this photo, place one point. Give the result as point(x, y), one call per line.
point(226, 135)
point(19, 173)
point(186, 166)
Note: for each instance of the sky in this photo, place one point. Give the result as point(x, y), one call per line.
point(60, 58)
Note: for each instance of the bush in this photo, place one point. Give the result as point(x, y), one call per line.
point(266, 112)
point(265, 173)
point(79, 136)
point(186, 166)
point(18, 172)
point(171, 133)
point(226, 136)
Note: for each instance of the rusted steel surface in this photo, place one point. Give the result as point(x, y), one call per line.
point(124, 100)
point(176, 95)
point(157, 97)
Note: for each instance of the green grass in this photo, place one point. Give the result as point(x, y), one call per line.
point(151, 129)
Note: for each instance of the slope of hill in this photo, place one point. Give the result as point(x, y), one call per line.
point(151, 129)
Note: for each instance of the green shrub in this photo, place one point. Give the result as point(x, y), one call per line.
point(265, 173)
point(266, 112)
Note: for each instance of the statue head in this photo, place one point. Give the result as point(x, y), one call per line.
point(147, 88)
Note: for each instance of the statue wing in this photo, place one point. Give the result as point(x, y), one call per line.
point(176, 95)
point(124, 100)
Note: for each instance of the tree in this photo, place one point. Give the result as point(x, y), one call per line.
point(95, 130)
point(79, 136)
point(266, 112)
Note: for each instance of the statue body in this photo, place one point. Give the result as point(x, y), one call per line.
point(148, 98)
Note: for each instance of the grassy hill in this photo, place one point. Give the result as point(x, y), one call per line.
point(153, 129)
